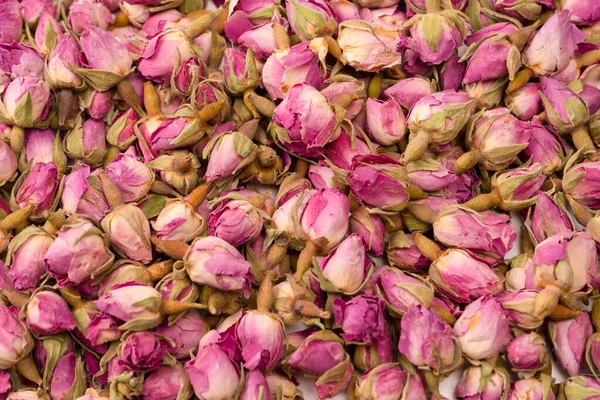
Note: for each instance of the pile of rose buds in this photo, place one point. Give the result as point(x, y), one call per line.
point(210, 201)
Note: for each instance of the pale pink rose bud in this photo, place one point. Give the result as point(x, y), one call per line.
point(344, 88)
point(532, 389)
point(310, 18)
point(403, 253)
point(236, 217)
point(160, 21)
point(121, 132)
point(578, 183)
point(483, 329)
point(229, 154)
point(185, 333)
point(12, 24)
point(25, 257)
point(520, 307)
point(26, 101)
point(401, 291)
point(259, 38)
point(369, 46)
point(522, 11)
point(79, 252)
point(261, 338)
point(178, 221)
point(343, 149)
point(97, 104)
point(47, 314)
point(410, 90)
point(582, 387)
point(8, 168)
point(239, 70)
point(46, 28)
point(492, 59)
point(142, 351)
point(5, 383)
point(344, 10)
point(427, 341)
point(381, 352)
point(385, 121)
point(16, 342)
point(565, 110)
point(103, 328)
point(156, 62)
point(386, 381)
point(582, 12)
point(547, 218)
point(553, 46)
point(463, 284)
point(370, 228)
point(21, 60)
point(527, 352)
point(452, 73)
point(39, 187)
point(214, 262)
point(167, 383)
point(321, 175)
point(129, 232)
point(345, 268)
point(361, 319)
point(525, 103)
point(475, 384)
point(317, 126)
point(255, 387)
point(86, 141)
point(59, 72)
point(42, 146)
point(278, 383)
point(569, 338)
point(160, 134)
point(82, 194)
point(545, 148)
point(84, 13)
point(132, 177)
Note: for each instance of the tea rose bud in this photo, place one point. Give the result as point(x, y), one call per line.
point(159, 133)
point(553, 46)
point(581, 12)
point(435, 48)
point(170, 44)
point(21, 60)
point(260, 336)
point(578, 183)
point(47, 313)
point(381, 352)
point(178, 169)
point(474, 383)
point(167, 383)
point(97, 104)
point(239, 71)
point(103, 328)
point(402, 291)
point(238, 218)
point(82, 194)
point(527, 352)
point(369, 46)
point(12, 24)
point(8, 170)
point(142, 351)
point(532, 388)
point(565, 110)
point(17, 342)
point(132, 177)
point(59, 72)
point(86, 141)
point(42, 146)
point(582, 387)
point(318, 124)
point(281, 384)
point(525, 103)
point(569, 338)
point(383, 381)
point(482, 337)
point(385, 121)
point(121, 133)
point(229, 154)
point(492, 59)
point(545, 148)
point(408, 91)
point(520, 307)
point(546, 218)
point(449, 275)
point(341, 151)
point(403, 253)
point(25, 257)
point(370, 228)
point(84, 13)
point(38, 187)
point(310, 18)
point(255, 387)
point(129, 232)
point(26, 101)
point(185, 333)
point(179, 221)
point(361, 319)
point(321, 176)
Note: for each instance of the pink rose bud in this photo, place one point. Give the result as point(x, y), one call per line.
point(46, 28)
point(284, 69)
point(132, 177)
point(239, 70)
point(432, 175)
point(427, 341)
point(79, 252)
point(170, 44)
point(545, 148)
point(386, 381)
point(345, 268)
point(5, 383)
point(379, 183)
point(213, 375)
point(142, 351)
point(582, 387)
point(321, 175)
point(344, 88)
point(408, 91)
point(369, 46)
point(342, 150)
point(525, 103)
point(260, 38)
point(533, 389)
point(21, 60)
point(16, 341)
point(361, 319)
point(25, 257)
point(483, 329)
point(402, 291)
point(26, 101)
point(185, 333)
point(435, 49)
point(229, 154)
point(565, 110)
point(178, 169)
point(47, 314)
point(166, 383)
point(237, 217)
point(84, 13)
point(344, 10)
point(487, 232)
point(474, 383)
point(385, 121)
point(255, 387)
point(160, 134)
point(463, 284)
point(59, 72)
point(86, 141)
point(129, 232)
point(159, 21)
point(310, 18)
point(317, 126)
point(82, 194)
point(11, 22)
point(370, 228)
point(188, 75)
point(569, 338)
point(98, 104)
point(103, 328)
point(487, 94)
point(452, 73)
point(546, 218)
point(42, 146)
point(278, 383)
point(553, 46)
point(8, 168)
point(261, 337)
point(579, 183)
point(179, 221)
point(67, 377)
point(403, 253)
point(253, 6)
point(492, 59)
point(214, 262)
point(121, 132)
point(520, 307)
point(381, 352)
point(582, 12)
point(38, 187)
point(527, 352)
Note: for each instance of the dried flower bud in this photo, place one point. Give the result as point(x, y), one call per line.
point(565, 110)
point(383, 381)
point(527, 352)
point(402, 291)
point(533, 388)
point(569, 338)
point(16, 343)
point(47, 313)
point(361, 319)
point(86, 141)
point(310, 18)
point(477, 383)
point(25, 257)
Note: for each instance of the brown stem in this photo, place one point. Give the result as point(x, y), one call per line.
point(17, 139)
point(151, 99)
point(484, 201)
point(581, 213)
point(467, 161)
point(266, 156)
point(422, 212)
point(417, 146)
point(264, 299)
point(173, 248)
point(521, 79)
point(130, 96)
point(15, 297)
point(199, 194)
point(561, 313)
point(427, 247)
point(159, 270)
point(201, 24)
point(111, 191)
point(309, 309)
point(210, 111)
point(16, 218)
point(582, 140)
point(547, 301)
point(374, 89)
point(263, 105)
point(275, 255)
point(172, 307)
point(305, 260)
point(121, 20)
point(249, 105)
point(416, 193)
point(27, 369)
point(64, 104)
point(159, 187)
point(301, 167)
point(282, 39)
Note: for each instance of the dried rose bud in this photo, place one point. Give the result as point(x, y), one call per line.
point(84, 13)
point(156, 61)
point(59, 72)
point(449, 275)
point(25, 102)
point(545, 148)
point(103, 328)
point(342, 150)
point(318, 125)
point(38, 187)
point(261, 338)
point(381, 352)
point(527, 352)
point(260, 38)
point(47, 313)
point(21, 60)
point(86, 141)
point(255, 387)
point(409, 91)
point(553, 46)
point(82, 194)
point(279, 384)
point(532, 388)
point(129, 232)
point(132, 177)
point(403, 253)
point(546, 218)
point(229, 154)
point(578, 183)
point(385, 121)
point(322, 176)
point(569, 338)
point(179, 221)
point(284, 69)
point(482, 337)
point(142, 351)
point(582, 387)
point(239, 71)
point(492, 59)
point(167, 382)
point(16, 342)
point(310, 18)
point(25, 257)
point(361, 319)
point(42, 146)
point(370, 228)
point(185, 333)
point(178, 169)
point(402, 291)
point(97, 104)
point(593, 229)
point(525, 103)
point(12, 24)
point(475, 383)
point(158, 134)
point(565, 110)
point(520, 307)
point(383, 381)
point(121, 132)
point(8, 170)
